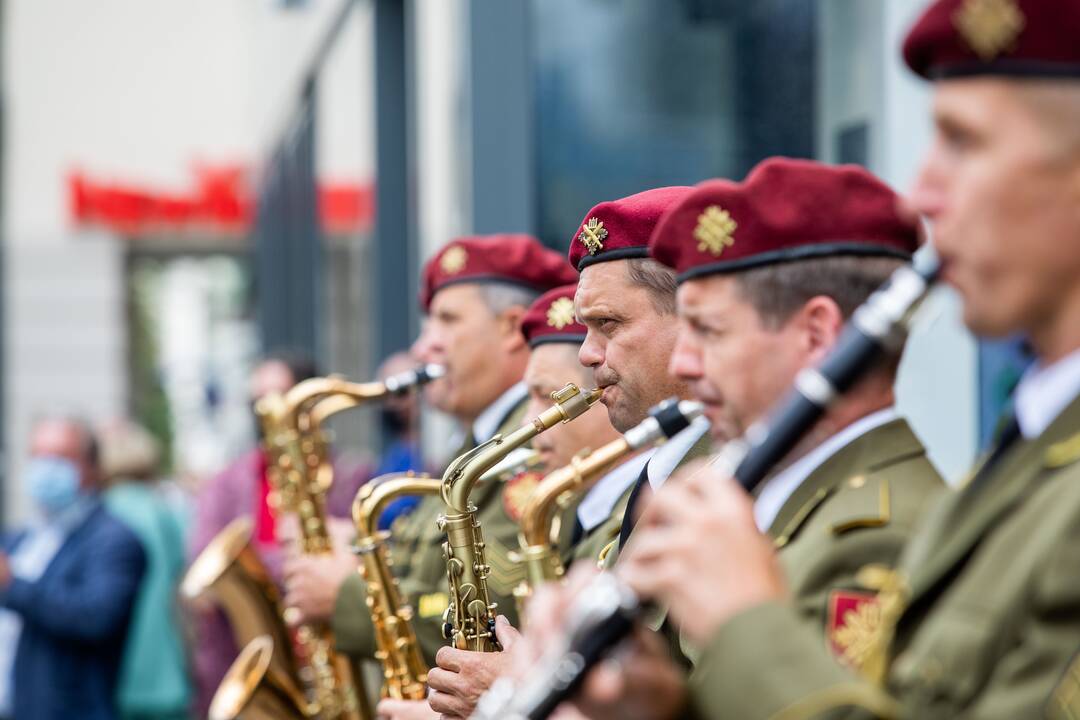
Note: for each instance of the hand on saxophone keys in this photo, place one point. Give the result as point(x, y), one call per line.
point(463, 676)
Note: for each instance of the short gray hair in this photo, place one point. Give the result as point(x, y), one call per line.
point(777, 291)
point(500, 297)
point(658, 280)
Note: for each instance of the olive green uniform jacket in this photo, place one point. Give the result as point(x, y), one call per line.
point(607, 553)
point(859, 507)
point(421, 570)
point(983, 615)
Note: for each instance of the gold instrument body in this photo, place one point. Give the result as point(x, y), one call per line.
point(230, 571)
point(538, 552)
point(301, 473)
point(397, 649)
point(255, 689)
point(269, 679)
point(469, 622)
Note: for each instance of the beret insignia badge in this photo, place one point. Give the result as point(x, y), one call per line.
point(593, 235)
point(715, 230)
point(453, 260)
point(561, 313)
point(989, 27)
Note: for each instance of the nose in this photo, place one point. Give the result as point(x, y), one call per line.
point(685, 362)
point(535, 407)
point(928, 193)
point(591, 353)
point(426, 347)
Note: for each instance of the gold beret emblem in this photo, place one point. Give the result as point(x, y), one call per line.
point(990, 27)
point(715, 230)
point(453, 260)
point(593, 235)
point(561, 313)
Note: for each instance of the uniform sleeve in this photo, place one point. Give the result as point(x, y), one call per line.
point(1043, 670)
point(354, 633)
point(95, 609)
point(768, 662)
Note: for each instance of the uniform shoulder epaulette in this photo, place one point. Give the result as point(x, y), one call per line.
point(1063, 453)
point(861, 503)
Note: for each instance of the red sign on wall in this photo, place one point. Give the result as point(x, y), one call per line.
point(221, 202)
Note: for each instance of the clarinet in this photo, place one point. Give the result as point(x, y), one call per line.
point(608, 610)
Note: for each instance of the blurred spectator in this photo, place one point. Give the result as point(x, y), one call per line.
point(154, 682)
point(399, 415)
point(67, 586)
point(242, 489)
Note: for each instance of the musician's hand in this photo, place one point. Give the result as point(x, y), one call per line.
point(643, 682)
point(405, 710)
point(5, 571)
point(639, 682)
point(545, 616)
point(312, 582)
point(697, 550)
point(342, 533)
point(462, 676)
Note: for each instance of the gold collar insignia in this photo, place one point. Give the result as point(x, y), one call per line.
point(989, 27)
point(593, 235)
point(453, 260)
point(561, 313)
point(715, 230)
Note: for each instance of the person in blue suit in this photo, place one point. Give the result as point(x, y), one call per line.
point(67, 585)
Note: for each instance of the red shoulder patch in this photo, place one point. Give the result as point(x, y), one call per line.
point(852, 626)
point(517, 492)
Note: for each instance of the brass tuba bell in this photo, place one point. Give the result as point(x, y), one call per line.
point(255, 690)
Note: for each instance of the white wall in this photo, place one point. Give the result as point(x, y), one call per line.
point(135, 91)
point(863, 78)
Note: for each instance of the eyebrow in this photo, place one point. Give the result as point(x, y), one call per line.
point(599, 310)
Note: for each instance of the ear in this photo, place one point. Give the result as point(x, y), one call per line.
point(822, 322)
point(510, 327)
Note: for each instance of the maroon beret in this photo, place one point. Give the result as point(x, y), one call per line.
point(551, 319)
point(784, 210)
point(513, 259)
point(620, 229)
point(1027, 38)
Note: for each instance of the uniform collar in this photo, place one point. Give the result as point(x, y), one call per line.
point(487, 423)
point(604, 496)
point(776, 490)
point(670, 454)
point(1044, 392)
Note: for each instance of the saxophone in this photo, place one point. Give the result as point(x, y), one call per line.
point(404, 671)
point(254, 688)
point(230, 570)
point(469, 621)
point(301, 474)
point(538, 553)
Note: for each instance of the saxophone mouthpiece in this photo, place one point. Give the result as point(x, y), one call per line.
point(430, 372)
point(403, 382)
point(572, 402)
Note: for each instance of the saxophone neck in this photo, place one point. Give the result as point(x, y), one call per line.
point(577, 476)
point(466, 471)
point(376, 494)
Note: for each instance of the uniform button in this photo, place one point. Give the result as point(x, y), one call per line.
point(857, 482)
point(904, 664)
point(932, 671)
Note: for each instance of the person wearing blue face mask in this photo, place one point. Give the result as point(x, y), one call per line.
point(67, 586)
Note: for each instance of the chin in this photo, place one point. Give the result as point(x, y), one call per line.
point(986, 325)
